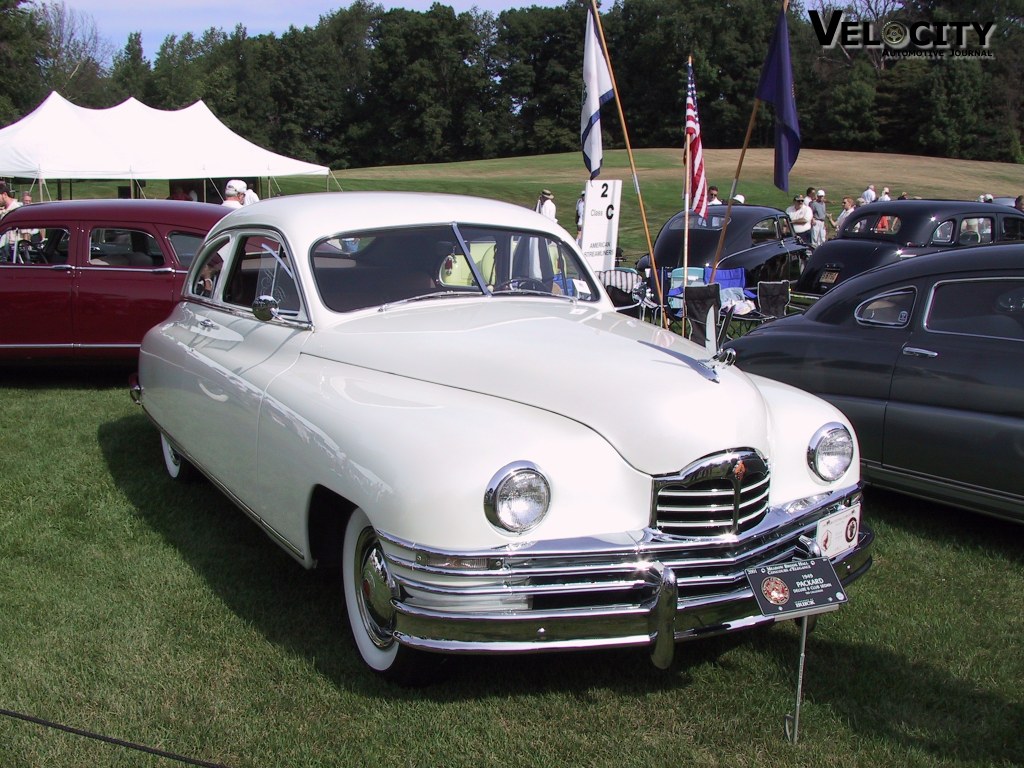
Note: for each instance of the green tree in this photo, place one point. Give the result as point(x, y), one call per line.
point(539, 68)
point(72, 54)
point(131, 73)
point(21, 87)
point(180, 72)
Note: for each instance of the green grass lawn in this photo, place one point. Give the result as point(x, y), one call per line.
point(157, 613)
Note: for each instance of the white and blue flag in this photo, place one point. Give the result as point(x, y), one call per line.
point(597, 90)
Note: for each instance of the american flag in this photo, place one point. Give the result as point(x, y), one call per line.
point(698, 181)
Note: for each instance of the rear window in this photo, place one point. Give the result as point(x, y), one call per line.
point(874, 226)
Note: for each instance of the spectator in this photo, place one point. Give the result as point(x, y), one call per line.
point(546, 204)
point(739, 200)
point(579, 214)
point(7, 199)
point(801, 216)
point(809, 196)
point(713, 196)
point(903, 196)
point(819, 215)
point(1019, 203)
point(884, 197)
point(234, 194)
point(869, 194)
point(26, 198)
point(250, 196)
point(848, 208)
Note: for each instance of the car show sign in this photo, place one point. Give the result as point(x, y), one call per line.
point(797, 588)
point(599, 235)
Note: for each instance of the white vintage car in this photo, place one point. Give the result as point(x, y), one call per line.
point(435, 393)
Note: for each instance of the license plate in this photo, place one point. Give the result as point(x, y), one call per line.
point(838, 532)
point(829, 276)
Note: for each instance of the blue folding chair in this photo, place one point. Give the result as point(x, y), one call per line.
point(729, 278)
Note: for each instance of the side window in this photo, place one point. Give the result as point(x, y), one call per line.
point(205, 280)
point(785, 227)
point(892, 309)
point(975, 230)
point(991, 308)
point(117, 247)
point(1012, 228)
point(262, 267)
point(34, 246)
point(185, 245)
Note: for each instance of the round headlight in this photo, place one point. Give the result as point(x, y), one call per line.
point(517, 497)
point(830, 452)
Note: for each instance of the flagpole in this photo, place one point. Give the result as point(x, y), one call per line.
point(735, 183)
point(687, 171)
point(632, 162)
point(739, 166)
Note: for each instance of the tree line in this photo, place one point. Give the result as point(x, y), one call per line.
point(368, 86)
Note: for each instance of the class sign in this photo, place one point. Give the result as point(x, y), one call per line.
point(600, 232)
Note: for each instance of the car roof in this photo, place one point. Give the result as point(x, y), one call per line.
point(925, 207)
point(961, 261)
point(179, 212)
point(741, 213)
point(314, 215)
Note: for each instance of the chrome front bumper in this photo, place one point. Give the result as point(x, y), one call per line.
point(630, 589)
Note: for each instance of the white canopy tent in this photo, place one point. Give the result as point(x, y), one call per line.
point(131, 141)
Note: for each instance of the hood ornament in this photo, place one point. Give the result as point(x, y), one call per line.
point(718, 358)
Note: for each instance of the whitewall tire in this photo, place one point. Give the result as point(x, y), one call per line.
point(368, 591)
point(177, 465)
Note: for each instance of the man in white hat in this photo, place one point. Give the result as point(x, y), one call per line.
point(819, 215)
point(546, 204)
point(234, 193)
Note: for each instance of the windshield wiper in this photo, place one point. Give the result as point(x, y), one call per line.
point(425, 296)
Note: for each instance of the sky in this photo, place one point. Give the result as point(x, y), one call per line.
point(116, 19)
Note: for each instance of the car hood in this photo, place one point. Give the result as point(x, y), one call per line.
point(641, 387)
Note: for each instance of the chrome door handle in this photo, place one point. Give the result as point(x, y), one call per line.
point(204, 323)
point(918, 352)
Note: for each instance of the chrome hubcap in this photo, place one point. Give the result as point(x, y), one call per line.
point(375, 592)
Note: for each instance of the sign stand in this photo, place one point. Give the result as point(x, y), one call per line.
point(791, 722)
point(797, 589)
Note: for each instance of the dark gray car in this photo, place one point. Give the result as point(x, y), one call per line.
point(924, 358)
point(887, 232)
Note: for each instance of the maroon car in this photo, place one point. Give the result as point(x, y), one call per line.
point(86, 279)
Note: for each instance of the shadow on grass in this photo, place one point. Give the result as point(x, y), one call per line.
point(303, 610)
point(880, 693)
point(912, 704)
point(944, 525)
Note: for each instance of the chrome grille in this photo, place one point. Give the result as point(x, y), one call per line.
point(720, 494)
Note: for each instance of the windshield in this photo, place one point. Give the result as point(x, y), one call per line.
point(381, 267)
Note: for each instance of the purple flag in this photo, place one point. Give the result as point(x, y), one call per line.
point(776, 87)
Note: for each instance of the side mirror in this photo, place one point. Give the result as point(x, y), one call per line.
point(265, 308)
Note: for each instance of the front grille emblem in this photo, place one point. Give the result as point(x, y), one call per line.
point(739, 469)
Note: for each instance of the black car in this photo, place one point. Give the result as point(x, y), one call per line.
point(924, 357)
point(886, 232)
point(759, 239)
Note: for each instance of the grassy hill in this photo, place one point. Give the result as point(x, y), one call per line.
point(660, 172)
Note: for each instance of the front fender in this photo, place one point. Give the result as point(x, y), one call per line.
point(417, 458)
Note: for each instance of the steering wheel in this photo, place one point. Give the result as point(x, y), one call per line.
point(522, 284)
